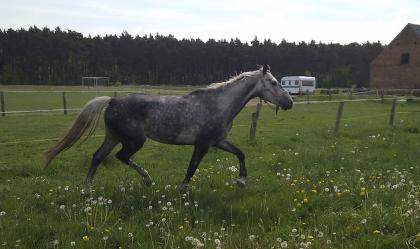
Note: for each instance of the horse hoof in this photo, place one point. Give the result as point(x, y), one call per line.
point(147, 181)
point(241, 182)
point(85, 193)
point(183, 187)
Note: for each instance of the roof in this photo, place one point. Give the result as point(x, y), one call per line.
point(415, 28)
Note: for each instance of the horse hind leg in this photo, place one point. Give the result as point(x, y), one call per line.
point(228, 147)
point(103, 151)
point(124, 155)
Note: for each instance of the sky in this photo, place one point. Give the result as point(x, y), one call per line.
point(337, 21)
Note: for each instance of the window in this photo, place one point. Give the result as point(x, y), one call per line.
point(287, 82)
point(296, 83)
point(307, 83)
point(405, 58)
point(283, 83)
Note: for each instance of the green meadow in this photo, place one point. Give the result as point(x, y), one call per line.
point(308, 186)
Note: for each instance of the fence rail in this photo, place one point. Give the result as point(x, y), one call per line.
point(66, 98)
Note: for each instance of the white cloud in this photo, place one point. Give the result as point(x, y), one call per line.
point(342, 21)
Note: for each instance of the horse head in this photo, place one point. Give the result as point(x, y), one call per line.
point(271, 91)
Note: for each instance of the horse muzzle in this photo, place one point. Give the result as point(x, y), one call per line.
point(288, 105)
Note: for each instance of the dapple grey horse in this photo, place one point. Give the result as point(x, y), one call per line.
point(201, 118)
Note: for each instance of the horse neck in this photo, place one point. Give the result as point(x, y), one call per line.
point(235, 96)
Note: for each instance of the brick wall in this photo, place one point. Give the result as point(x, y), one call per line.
point(386, 70)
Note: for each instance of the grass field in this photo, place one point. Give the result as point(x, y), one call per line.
point(307, 187)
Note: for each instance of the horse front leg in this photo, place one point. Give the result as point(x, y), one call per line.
point(198, 154)
point(226, 146)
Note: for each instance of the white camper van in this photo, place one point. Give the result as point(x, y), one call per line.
point(298, 84)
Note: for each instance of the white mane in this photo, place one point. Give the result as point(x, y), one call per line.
point(234, 79)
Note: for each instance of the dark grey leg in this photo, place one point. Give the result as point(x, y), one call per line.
point(98, 157)
point(124, 155)
point(198, 154)
point(147, 180)
point(226, 146)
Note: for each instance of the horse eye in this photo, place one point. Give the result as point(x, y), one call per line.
point(273, 83)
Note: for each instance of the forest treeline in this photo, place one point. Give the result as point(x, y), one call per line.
point(46, 56)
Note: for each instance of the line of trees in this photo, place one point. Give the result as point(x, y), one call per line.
point(45, 56)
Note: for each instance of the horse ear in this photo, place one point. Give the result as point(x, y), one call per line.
point(266, 68)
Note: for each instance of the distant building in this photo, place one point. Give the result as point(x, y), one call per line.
point(398, 65)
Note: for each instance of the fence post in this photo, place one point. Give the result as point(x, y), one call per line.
point(382, 96)
point(351, 94)
point(307, 97)
point(339, 115)
point(255, 116)
point(329, 94)
point(115, 94)
point(392, 114)
point(64, 103)
point(2, 107)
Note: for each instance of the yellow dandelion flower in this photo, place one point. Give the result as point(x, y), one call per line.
point(418, 237)
point(314, 190)
point(339, 194)
point(85, 238)
point(181, 227)
point(363, 189)
point(310, 237)
point(305, 200)
point(376, 232)
point(362, 194)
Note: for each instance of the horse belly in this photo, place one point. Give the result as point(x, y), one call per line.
point(172, 133)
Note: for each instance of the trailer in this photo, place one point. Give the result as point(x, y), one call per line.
point(298, 84)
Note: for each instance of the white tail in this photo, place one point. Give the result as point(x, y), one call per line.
point(87, 120)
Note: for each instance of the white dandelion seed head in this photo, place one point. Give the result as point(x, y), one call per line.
point(283, 244)
point(188, 238)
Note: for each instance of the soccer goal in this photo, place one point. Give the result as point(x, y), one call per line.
point(95, 81)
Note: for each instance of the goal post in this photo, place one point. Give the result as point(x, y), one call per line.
point(95, 81)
